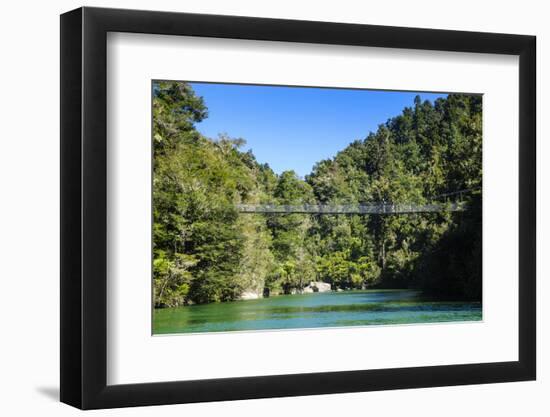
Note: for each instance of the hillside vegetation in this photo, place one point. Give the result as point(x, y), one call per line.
point(205, 251)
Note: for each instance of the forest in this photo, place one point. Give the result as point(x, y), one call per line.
point(205, 251)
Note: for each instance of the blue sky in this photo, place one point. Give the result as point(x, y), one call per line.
point(295, 127)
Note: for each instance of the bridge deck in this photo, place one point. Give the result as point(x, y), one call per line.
point(382, 208)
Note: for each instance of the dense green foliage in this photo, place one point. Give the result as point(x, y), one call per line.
point(205, 251)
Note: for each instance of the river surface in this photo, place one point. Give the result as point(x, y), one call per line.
point(329, 309)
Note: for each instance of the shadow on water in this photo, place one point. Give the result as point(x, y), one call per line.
point(332, 309)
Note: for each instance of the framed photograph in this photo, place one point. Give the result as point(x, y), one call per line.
point(256, 208)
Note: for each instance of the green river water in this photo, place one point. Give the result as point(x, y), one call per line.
point(329, 309)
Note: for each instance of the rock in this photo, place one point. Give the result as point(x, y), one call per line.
point(319, 286)
point(250, 295)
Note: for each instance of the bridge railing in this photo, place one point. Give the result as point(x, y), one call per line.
point(382, 208)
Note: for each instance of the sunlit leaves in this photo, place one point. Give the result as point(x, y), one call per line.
point(205, 251)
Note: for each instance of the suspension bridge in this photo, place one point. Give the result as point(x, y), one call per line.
point(382, 208)
point(371, 208)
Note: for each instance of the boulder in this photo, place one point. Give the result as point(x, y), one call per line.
point(317, 286)
point(250, 295)
point(323, 286)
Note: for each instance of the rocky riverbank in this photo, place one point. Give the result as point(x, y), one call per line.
point(313, 286)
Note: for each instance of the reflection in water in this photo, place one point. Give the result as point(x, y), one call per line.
point(331, 309)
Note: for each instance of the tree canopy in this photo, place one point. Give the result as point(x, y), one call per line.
point(205, 251)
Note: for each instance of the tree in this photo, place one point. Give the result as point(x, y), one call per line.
point(206, 251)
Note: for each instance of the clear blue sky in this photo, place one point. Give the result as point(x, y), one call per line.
point(295, 127)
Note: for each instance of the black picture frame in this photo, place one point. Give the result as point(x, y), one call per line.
point(84, 207)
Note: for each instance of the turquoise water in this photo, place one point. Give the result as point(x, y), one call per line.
point(330, 309)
